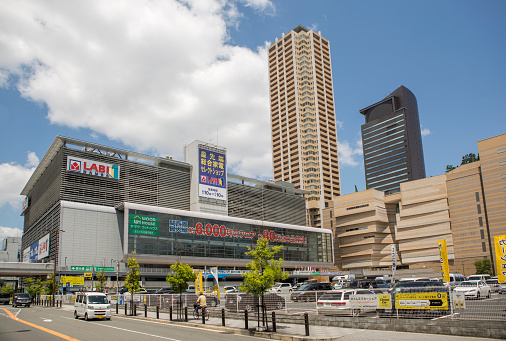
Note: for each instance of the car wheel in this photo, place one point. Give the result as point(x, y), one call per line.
point(279, 305)
point(108, 318)
point(214, 303)
point(75, 315)
point(489, 294)
point(478, 295)
point(86, 317)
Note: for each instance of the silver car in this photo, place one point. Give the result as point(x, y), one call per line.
point(501, 288)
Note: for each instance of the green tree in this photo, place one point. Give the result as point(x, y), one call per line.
point(34, 287)
point(468, 158)
point(264, 272)
point(178, 280)
point(101, 280)
point(8, 289)
point(483, 266)
point(48, 285)
point(449, 168)
point(132, 279)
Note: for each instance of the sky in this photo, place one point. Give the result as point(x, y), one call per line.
point(153, 76)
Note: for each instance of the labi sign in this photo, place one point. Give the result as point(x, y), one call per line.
point(90, 167)
point(139, 224)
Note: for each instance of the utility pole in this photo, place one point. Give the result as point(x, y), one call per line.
point(56, 252)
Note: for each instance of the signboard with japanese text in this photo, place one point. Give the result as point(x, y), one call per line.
point(500, 257)
point(34, 252)
point(139, 224)
point(370, 300)
point(26, 255)
point(443, 260)
point(199, 286)
point(429, 300)
point(43, 250)
point(80, 268)
point(212, 174)
point(73, 281)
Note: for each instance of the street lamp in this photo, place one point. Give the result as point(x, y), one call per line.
point(56, 253)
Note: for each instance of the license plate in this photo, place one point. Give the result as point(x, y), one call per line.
point(327, 305)
point(100, 316)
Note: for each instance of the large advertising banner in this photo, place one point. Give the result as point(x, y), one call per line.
point(73, 281)
point(500, 257)
point(443, 260)
point(34, 252)
point(26, 255)
point(199, 285)
point(212, 174)
point(43, 247)
point(140, 224)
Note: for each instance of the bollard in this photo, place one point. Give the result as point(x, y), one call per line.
point(126, 308)
point(157, 312)
point(170, 313)
point(186, 314)
point(245, 319)
point(135, 309)
point(273, 321)
point(223, 317)
point(204, 315)
point(306, 323)
point(117, 307)
point(145, 310)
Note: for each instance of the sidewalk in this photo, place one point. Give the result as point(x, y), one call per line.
point(295, 332)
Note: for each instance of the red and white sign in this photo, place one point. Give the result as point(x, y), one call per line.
point(91, 167)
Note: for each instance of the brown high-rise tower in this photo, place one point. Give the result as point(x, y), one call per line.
point(304, 139)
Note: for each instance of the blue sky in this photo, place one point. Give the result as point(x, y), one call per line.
point(154, 76)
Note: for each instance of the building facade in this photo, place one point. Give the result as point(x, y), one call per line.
point(89, 205)
point(392, 142)
point(466, 207)
point(304, 138)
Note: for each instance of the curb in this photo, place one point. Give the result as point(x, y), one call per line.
point(249, 332)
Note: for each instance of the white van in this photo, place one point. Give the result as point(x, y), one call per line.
point(455, 279)
point(281, 287)
point(92, 305)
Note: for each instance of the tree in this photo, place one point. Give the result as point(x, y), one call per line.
point(449, 168)
point(101, 280)
point(178, 280)
point(264, 272)
point(48, 286)
point(34, 287)
point(132, 279)
point(468, 158)
point(483, 266)
point(8, 289)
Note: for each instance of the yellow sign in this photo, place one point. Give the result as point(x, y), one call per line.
point(199, 286)
point(500, 257)
point(443, 260)
point(88, 275)
point(72, 280)
point(428, 300)
point(384, 301)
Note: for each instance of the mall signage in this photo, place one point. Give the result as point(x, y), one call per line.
point(212, 174)
point(139, 224)
point(91, 167)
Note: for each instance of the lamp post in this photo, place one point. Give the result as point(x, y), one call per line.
point(56, 253)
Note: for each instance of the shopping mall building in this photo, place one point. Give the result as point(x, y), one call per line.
point(89, 205)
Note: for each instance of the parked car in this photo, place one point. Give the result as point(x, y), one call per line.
point(230, 289)
point(337, 302)
point(163, 291)
point(188, 299)
point(364, 284)
point(242, 301)
point(502, 288)
point(474, 289)
point(483, 277)
point(493, 283)
point(310, 292)
point(281, 287)
point(5, 298)
point(21, 299)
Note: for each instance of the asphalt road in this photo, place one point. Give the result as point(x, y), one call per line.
point(37, 323)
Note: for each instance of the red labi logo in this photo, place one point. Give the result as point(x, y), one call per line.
point(75, 166)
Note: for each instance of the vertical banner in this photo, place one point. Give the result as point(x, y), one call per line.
point(393, 251)
point(199, 287)
point(212, 174)
point(500, 257)
point(443, 260)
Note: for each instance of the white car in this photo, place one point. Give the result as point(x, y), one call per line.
point(281, 287)
point(474, 289)
point(337, 302)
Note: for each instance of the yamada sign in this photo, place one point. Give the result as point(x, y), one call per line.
point(84, 166)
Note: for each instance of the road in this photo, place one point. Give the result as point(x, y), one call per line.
point(36, 323)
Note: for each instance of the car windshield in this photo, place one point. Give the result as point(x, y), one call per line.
point(23, 296)
point(331, 297)
point(97, 299)
point(303, 287)
point(468, 284)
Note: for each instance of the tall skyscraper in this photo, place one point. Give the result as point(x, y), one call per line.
point(392, 142)
point(304, 139)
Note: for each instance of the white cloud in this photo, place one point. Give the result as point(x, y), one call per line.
point(9, 232)
point(153, 74)
point(13, 178)
point(32, 160)
point(348, 154)
point(425, 132)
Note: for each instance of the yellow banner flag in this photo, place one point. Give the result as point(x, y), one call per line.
point(500, 257)
point(199, 286)
point(443, 260)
